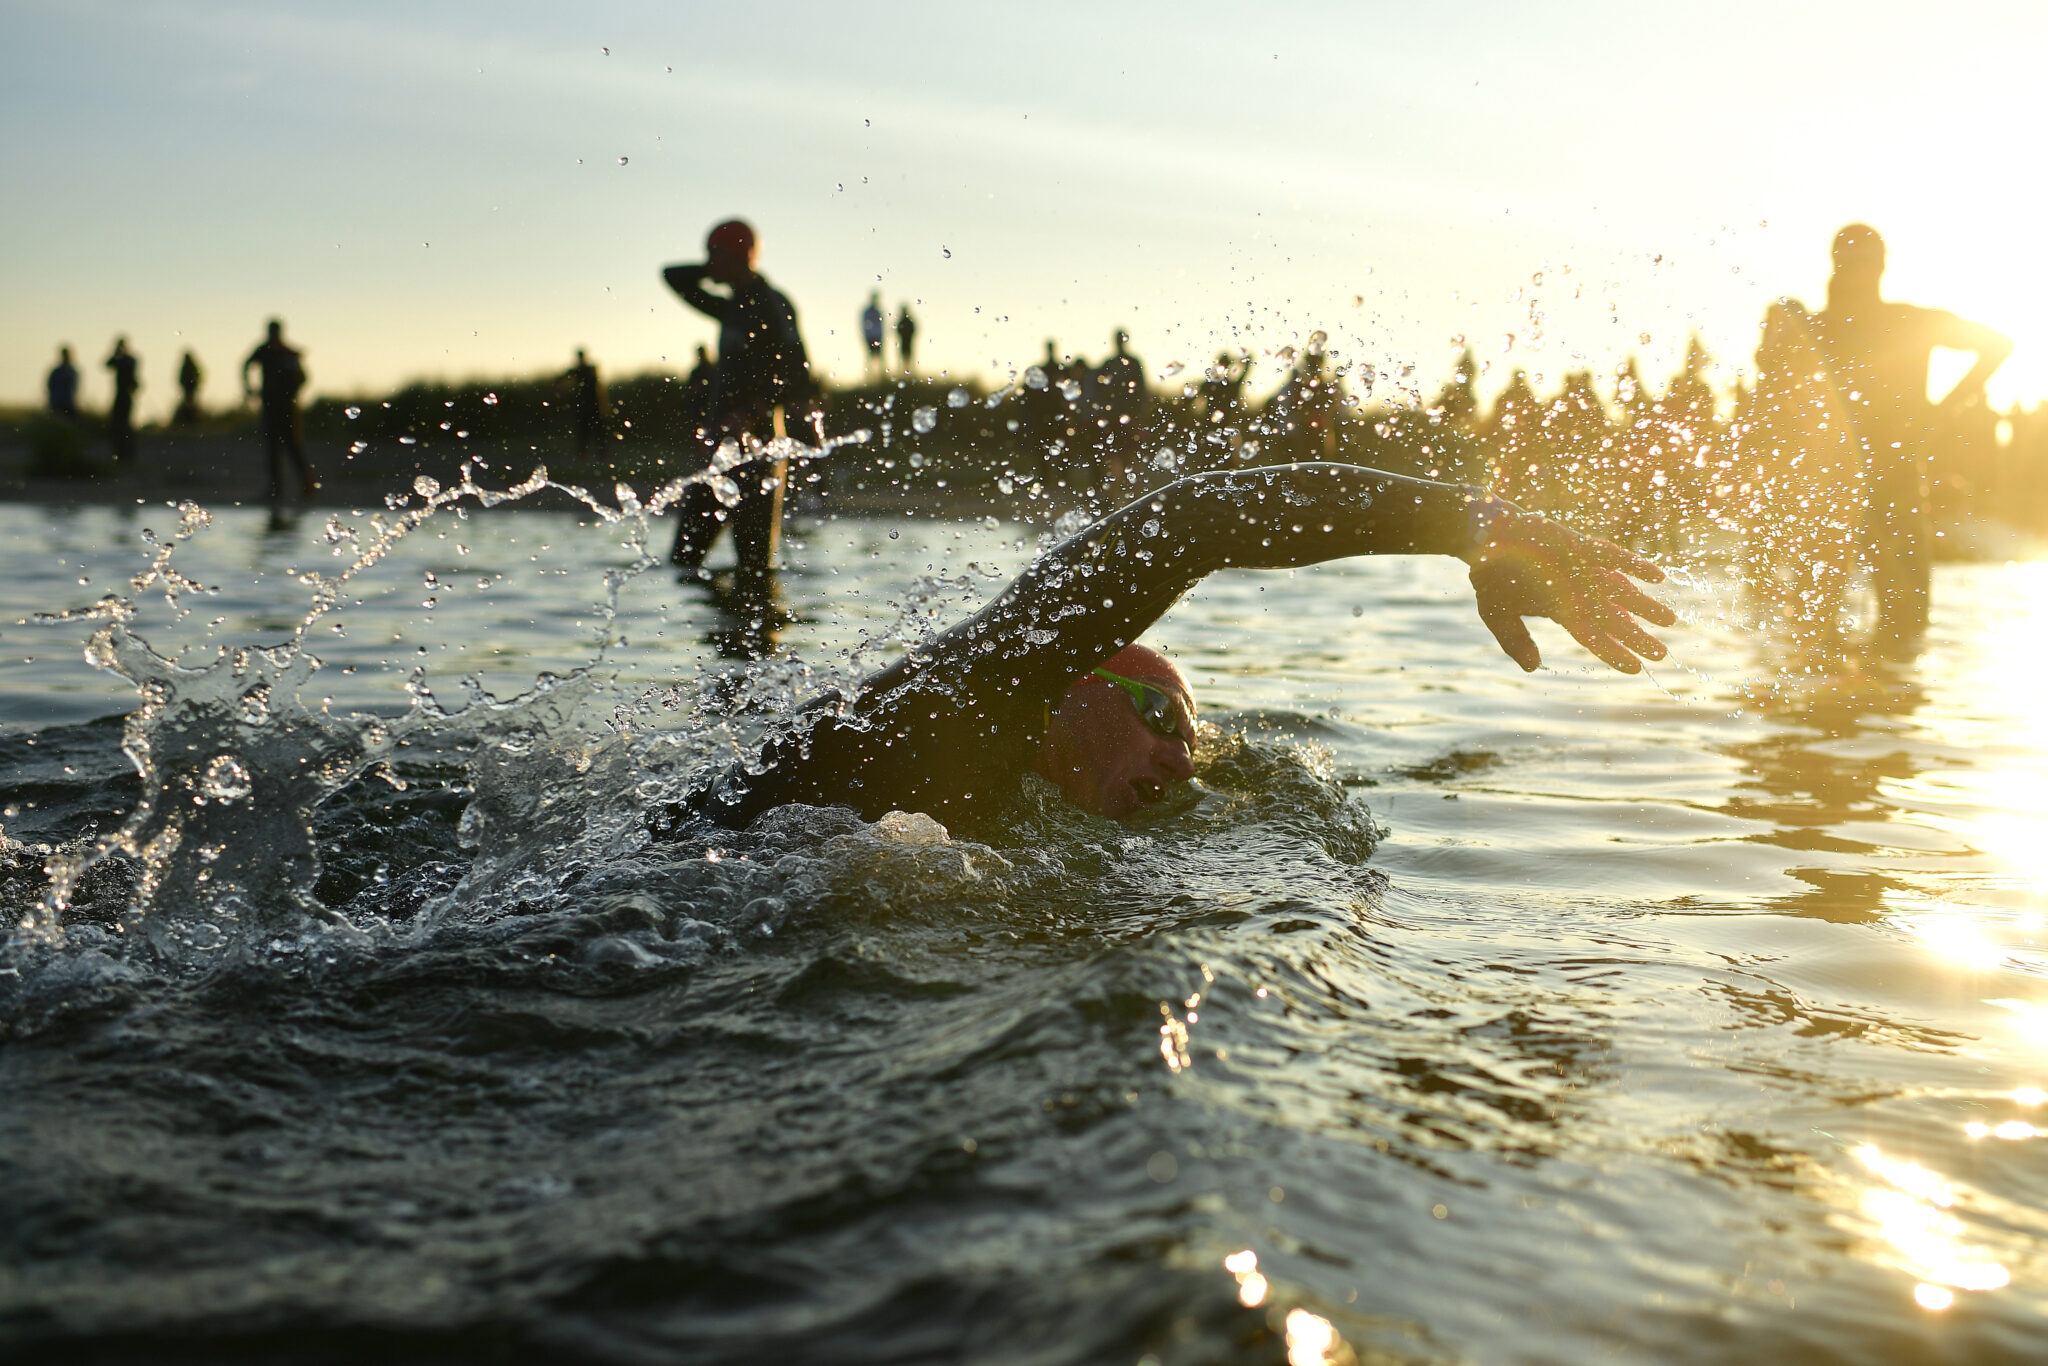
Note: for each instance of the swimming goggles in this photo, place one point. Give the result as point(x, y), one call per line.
point(1155, 706)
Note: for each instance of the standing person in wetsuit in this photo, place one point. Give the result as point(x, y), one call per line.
point(906, 337)
point(189, 379)
point(871, 333)
point(761, 369)
point(121, 415)
point(1048, 678)
point(61, 386)
point(586, 399)
point(1877, 356)
point(283, 373)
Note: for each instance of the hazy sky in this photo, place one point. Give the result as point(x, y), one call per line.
point(424, 189)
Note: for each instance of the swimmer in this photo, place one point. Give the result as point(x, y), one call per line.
point(1048, 678)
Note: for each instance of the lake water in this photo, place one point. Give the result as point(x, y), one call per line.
point(1468, 1017)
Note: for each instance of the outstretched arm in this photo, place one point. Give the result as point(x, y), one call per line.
point(955, 720)
point(688, 281)
point(1098, 591)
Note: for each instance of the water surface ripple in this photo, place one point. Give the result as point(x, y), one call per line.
point(1538, 1019)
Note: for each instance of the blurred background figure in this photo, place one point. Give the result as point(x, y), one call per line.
point(1117, 401)
point(283, 375)
point(1799, 495)
point(62, 385)
point(121, 414)
point(762, 368)
point(1877, 356)
point(906, 337)
point(190, 377)
point(586, 401)
point(871, 330)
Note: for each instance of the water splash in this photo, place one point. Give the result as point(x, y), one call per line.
point(236, 757)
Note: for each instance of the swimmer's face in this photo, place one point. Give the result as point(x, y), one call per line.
point(1103, 755)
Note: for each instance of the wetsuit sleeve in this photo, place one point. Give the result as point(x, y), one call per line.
point(688, 281)
point(1100, 590)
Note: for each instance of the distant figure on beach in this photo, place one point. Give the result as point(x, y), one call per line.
point(762, 368)
point(121, 414)
point(283, 373)
point(1049, 678)
point(1117, 399)
point(190, 377)
point(1877, 356)
point(906, 337)
point(871, 331)
point(586, 401)
point(62, 385)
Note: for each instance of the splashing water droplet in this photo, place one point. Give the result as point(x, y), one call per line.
point(351, 412)
point(1070, 391)
point(924, 419)
point(426, 487)
point(490, 400)
point(225, 779)
point(1034, 378)
point(959, 398)
point(946, 252)
point(622, 161)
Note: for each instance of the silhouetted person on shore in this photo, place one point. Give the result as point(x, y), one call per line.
point(871, 332)
point(121, 414)
point(190, 377)
point(906, 337)
point(586, 401)
point(1877, 356)
point(62, 385)
point(284, 375)
point(761, 369)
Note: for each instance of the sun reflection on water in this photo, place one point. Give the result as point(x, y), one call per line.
point(1912, 1215)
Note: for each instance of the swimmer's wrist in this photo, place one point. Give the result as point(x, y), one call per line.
point(1485, 512)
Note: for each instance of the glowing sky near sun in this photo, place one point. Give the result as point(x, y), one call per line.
point(433, 190)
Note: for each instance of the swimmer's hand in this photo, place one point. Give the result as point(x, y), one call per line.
point(1532, 567)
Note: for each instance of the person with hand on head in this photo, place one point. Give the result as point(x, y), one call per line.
point(762, 370)
point(1048, 678)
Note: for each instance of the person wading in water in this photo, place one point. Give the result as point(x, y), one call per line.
point(762, 368)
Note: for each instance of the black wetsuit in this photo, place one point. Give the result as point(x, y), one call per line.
point(950, 729)
point(762, 367)
point(284, 374)
point(121, 415)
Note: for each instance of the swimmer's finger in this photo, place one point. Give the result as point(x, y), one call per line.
point(1603, 646)
point(1634, 600)
point(1508, 629)
point(1608, 555)
point(1631, 634)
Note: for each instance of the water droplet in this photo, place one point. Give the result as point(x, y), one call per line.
point(959, 398)
point(622, 161)
point(606, 51)
point(924, 419)
point(225, 780)
point(1070, 390)
point(351, 412)
point(426, 487)
point(946, 252)
point(490, 400)
point(1034, 378)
